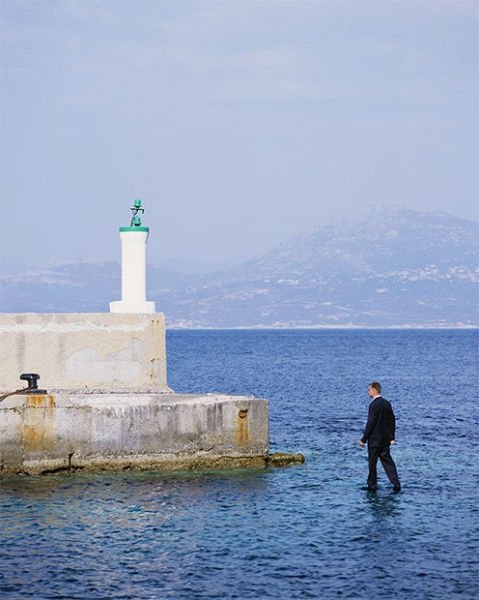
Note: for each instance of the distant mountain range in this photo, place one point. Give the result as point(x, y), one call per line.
point(392, 268)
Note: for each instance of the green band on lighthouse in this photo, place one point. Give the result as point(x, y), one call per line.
point(142, 228)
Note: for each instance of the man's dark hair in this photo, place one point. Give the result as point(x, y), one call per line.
point(376, 385)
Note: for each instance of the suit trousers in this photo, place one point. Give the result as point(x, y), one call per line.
point(383, 454)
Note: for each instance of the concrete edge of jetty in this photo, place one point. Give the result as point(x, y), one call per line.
point(107, 404)
point(65, 431)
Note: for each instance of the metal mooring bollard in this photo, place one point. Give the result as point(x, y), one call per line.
point(32, 380)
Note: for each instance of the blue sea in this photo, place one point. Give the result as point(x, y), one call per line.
point(307, 531)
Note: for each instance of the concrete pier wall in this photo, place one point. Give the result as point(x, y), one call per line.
point(84, 352)
point(107, 403)
point(41, 433)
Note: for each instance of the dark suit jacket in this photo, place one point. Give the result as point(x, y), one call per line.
point(381, 426)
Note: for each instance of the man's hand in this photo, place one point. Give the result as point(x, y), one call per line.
point(393, 442)
point(361, 443)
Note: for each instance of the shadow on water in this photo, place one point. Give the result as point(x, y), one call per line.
point(383, 505)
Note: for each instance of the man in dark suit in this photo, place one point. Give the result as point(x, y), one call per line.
point(379, 434)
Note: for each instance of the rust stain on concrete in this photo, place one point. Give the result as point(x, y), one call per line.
point(242, 427)
point(39, 423)
point(40, 401)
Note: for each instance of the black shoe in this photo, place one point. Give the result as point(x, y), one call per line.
point(396, 489)
point(366, 488)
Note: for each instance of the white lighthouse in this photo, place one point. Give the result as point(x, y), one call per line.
point(133, 267)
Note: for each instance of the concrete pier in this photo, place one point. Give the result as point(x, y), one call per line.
point(108, 405)
point(44, 433)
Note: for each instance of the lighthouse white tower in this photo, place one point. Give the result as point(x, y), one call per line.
point(133, 267)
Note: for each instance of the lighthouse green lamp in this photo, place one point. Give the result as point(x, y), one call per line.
point(133, 266)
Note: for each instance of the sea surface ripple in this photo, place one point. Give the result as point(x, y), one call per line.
point(307, 531)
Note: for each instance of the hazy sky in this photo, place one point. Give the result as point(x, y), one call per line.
point(238, 123)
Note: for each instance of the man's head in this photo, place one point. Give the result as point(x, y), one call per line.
point(374, 389)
